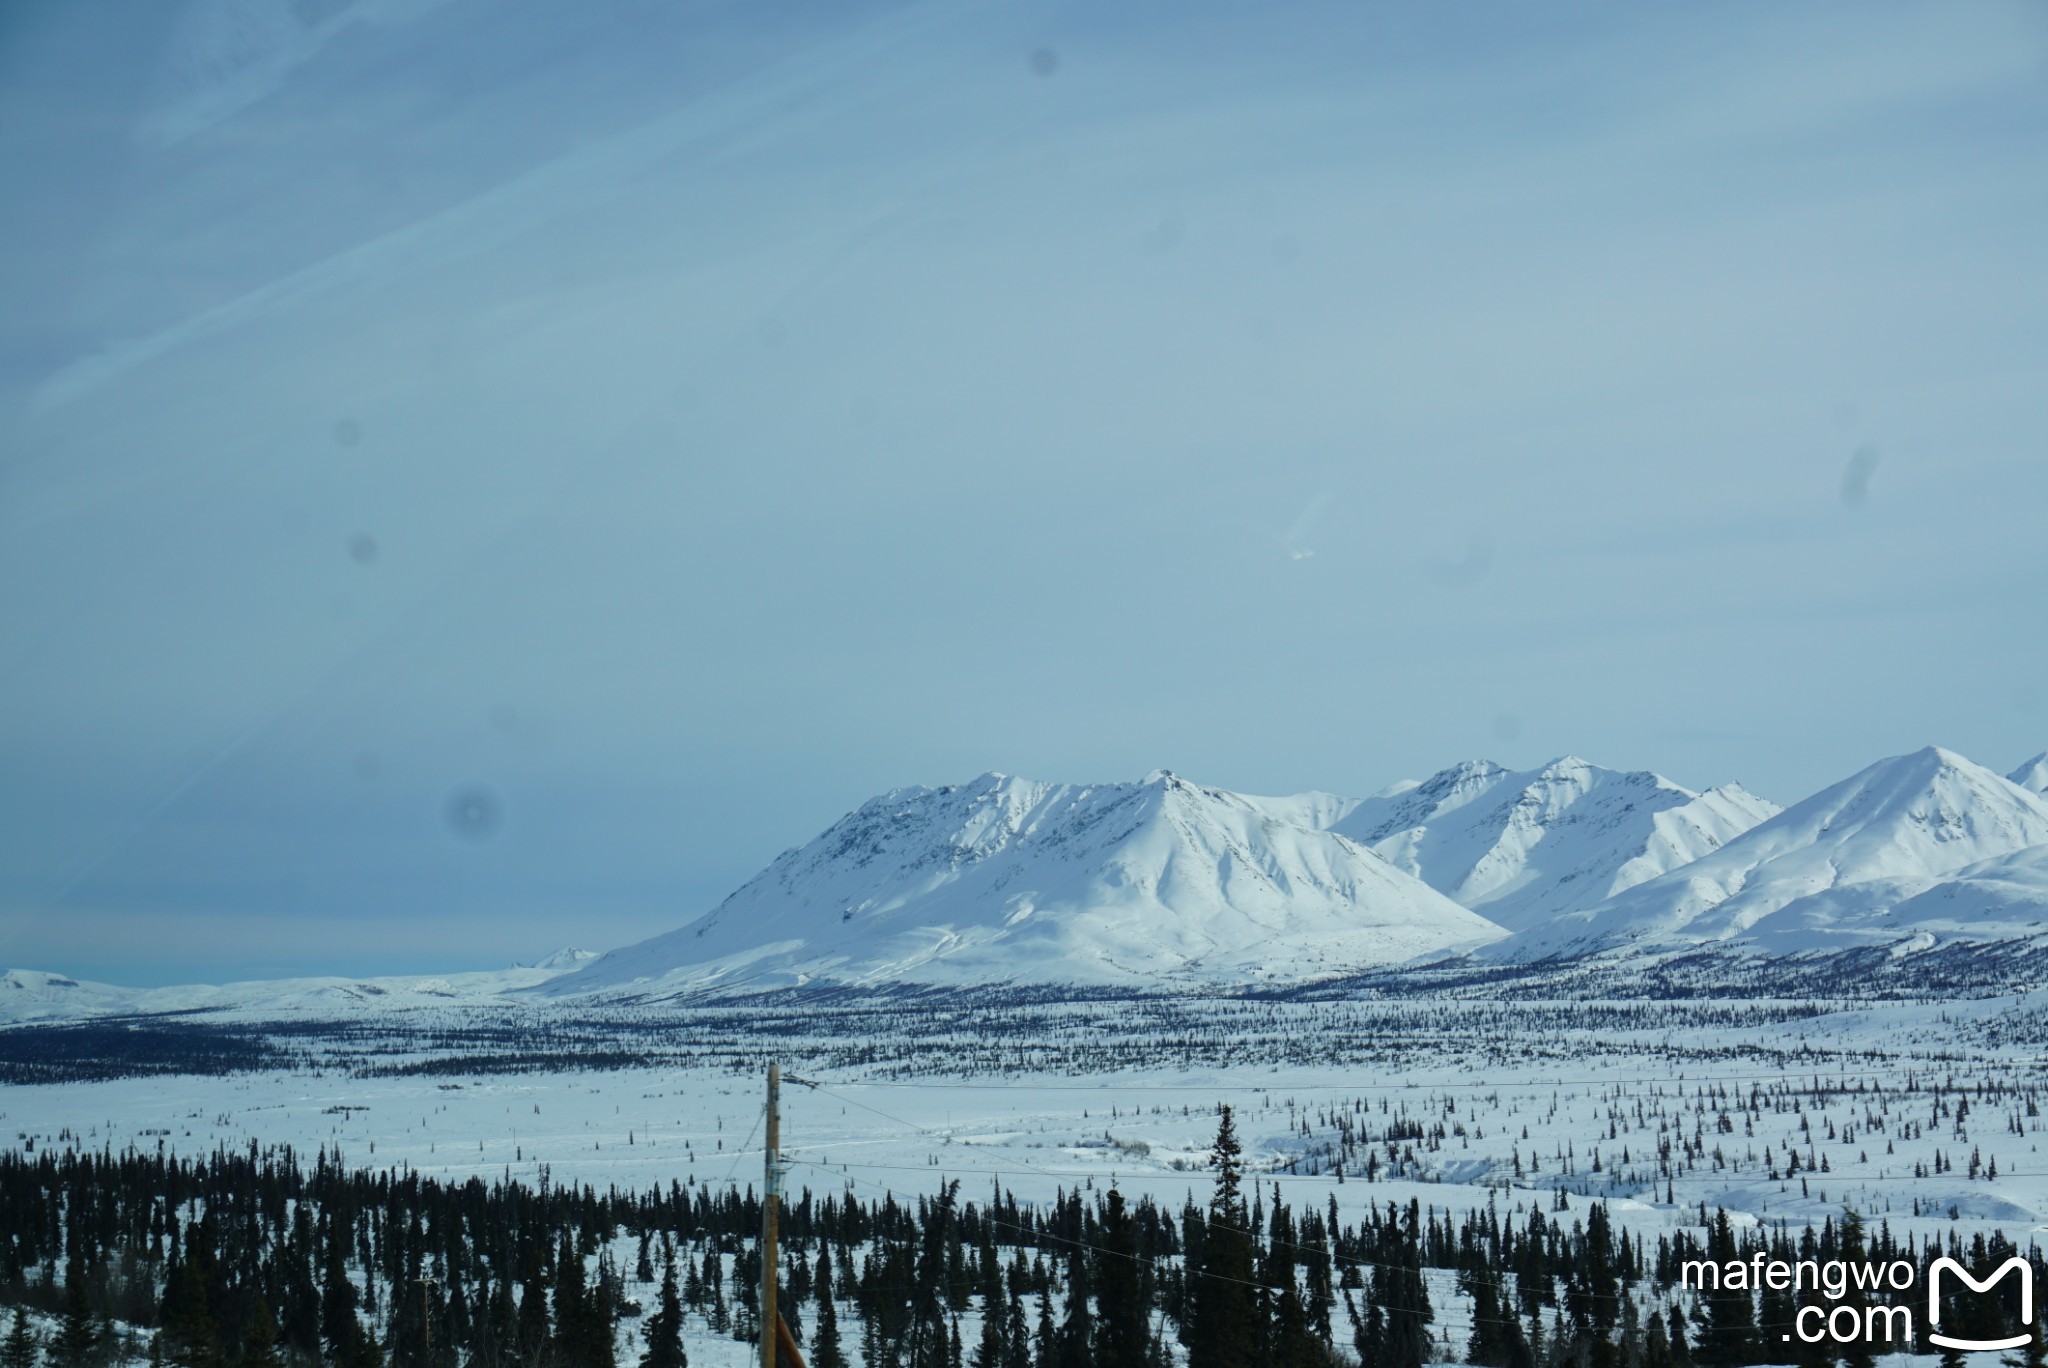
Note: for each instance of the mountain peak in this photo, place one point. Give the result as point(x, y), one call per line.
point(1948, 794)
point(1522, 847)
point(1054, 883)
point(1930, 759)
point(567, 958)
point(2032, 775)
point(1912, 817)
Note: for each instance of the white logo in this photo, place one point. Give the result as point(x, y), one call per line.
point(2026, 1301)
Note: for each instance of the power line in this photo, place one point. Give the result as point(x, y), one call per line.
point(741, 1152)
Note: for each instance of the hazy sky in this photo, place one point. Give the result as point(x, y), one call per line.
point(484, 475)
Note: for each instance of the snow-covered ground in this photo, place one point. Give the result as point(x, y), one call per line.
point(38, 995)
point(1777, 1111)
point(1511, 1103)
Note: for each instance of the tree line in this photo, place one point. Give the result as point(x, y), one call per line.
point(257, 1258)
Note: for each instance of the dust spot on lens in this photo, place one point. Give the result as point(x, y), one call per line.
point(367, 766)
point(1164, 237)
point(362, 549)
point(348, 432)
point(1044, 61)
point(474, 813)
point(1856, 477)
point(1463, 573)
point(504, 717)
point(1507, 727)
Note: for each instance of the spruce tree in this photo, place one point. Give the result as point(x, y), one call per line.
point(1369, 1330)
point(1656, 1344)
point(365, 1353)
point(536, 1348)
point(601, 1319)
point(259, 1339)
point(1077, 1332)
point(1123, 1322)
point(1488, 1345)
point(498, 1341)
point(1727, 1316)
point(1016, 1339)
point(1681, 1350)
point(716, 1311)
point(1398, 1297)
point(23, 1345)
point(1521, 1354)
point(825, 1351)
point(1223, 1321)
point(341, 1332)
point(1861, 1353)
point(1289, 1343)
point(665, 1326)
point(78, 1341)
point(990, 1350)
point(571, 1307)
point(189, 1338)
point(2032, 1354)
point(1593, 1287)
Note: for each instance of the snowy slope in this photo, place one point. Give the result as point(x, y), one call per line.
point(34, 995)
point(2004, 898)
point(1006, 880)
point(1522, 847)
point(1901, 825)
point(2032, 775)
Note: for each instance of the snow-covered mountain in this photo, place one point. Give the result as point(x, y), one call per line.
point(2032, 774)
point(36, 995)
point(1163, 884)
point(1843, 868)
point(2000, 899)
point(1522, 847)
point(1007, 880)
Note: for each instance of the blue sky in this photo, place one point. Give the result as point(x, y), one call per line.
point(476, 478)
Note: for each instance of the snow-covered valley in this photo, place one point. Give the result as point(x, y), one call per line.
point(1925, 1119)
point(1695, 1009)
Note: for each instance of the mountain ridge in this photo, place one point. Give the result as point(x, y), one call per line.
point(1524, 846)
point(1102, 883)
point(1167, 885)
point(1909, 819)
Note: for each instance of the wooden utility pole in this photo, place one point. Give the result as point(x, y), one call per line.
point(426, 1323)
point(771, 1198)
point(778, 1346)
